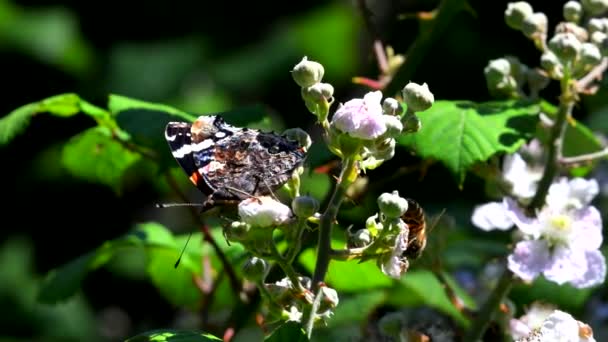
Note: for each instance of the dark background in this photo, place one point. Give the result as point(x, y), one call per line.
point(202, 56)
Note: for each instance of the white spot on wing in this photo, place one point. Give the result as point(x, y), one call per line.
point(205, 144)
point(220, 135)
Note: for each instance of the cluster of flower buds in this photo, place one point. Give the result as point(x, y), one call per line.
point(578, 44)
point(317, 96)
point(386, 237)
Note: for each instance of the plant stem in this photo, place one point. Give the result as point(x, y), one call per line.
point(310, 322)
point(555, 146)
point(286, 267)
point(486, 313)
point(583, 158)
point(297, 242)
point(327, 220)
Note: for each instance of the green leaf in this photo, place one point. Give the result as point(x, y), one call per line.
point(17, 121)
point(579, 140)
point(566, 297)
point(94, 156)
point(357, 307)
point(170, 335)
point(461, 133)
point(63, 283)
point(422, 288)
point(290, 331)
point(346, 275)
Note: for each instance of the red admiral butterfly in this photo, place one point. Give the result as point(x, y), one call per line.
point(230, 164)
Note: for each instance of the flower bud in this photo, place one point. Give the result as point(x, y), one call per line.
point(565, 46)
point(596, 25)
point(411, 123)
point(598, 38)
point(549, 62)
point(595, 7)
point(393, 126)
point(298, 135)
point(534, 25)
point(392, 205)
point(498, 76)
point(573, 11)
point(590, 55)
point(360, 238)
point(255, 269)
point(580, 33)
point(237, 231)
point(329, 300)
point(372, 225)
point(304, 206)
point(516, 13)
point(307, 73)
point(384, 149)
point(390, 106)
point(317, 92)
point(418, 97)
point(263, 212)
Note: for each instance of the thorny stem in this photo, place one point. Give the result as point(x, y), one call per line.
point(234, 280)
point(310, 322)
point(297, 242)
point(327, 219)
point(487, 311)
point(554, 149)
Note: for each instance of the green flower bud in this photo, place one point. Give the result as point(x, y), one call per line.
point(590, 55)
point(392, 205)
point(565, 46)
point(498, 76)
point(317, 92)
point(255, 269)
point(595, 7)
point(549, 61)
point(304, 206)
point(596, 25)
point(384, 149)
point(329, 300)
point(390, 106)
point(307, 73)
point(360, 238)
point(237, 231)
point(580, 33)
point(573, 11)
point(298, 135)
point(516, 13)
point(411, 123)
point(518, 69)
point(417, 97)
point(598, 38)
point(393, 126)
point(535, 25)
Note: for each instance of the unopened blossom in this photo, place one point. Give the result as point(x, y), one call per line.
point(490, 216)
point(264, 212)
point(563, 240)
point(361, 118)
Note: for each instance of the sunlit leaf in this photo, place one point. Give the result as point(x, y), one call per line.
point(169, 335)
point(94, 156)
point(462, 133)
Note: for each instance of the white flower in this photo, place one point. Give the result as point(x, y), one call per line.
point(563, 244)
point(394, 264)
point(574, 194)
point(491, 216)
point(361, 118)
point(559, 326)
point(532, 320)
point(264, 212)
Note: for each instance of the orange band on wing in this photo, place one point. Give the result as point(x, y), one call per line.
point(195, 177)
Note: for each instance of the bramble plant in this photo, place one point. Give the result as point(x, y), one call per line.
point(295, 247)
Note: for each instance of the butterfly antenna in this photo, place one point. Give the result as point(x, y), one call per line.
point(171, 205)
point(183, 250)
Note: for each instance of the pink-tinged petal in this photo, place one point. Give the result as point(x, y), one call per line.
point(491, 216)
point(529, 259)
point(587, 229)
point(595, 273)
point(583, 190)
point(518, 329)
point(370, 128)
point(528, 225)
point(566, 264)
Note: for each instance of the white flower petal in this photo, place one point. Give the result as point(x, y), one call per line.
point(518, 329)
point(527, 225)
point(587, 229)
point(491, 216)
point(584, 190)
point(559, 193)
point(595, 273)
point(523, 179)
point(565, 265)
point(529, 259)
point(560, 326)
